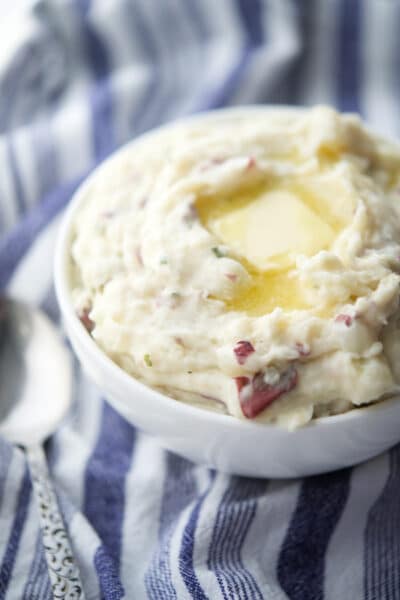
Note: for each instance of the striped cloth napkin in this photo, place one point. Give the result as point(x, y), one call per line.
point(77, 79)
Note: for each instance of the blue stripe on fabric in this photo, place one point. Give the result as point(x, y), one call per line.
point(101, 98)
point(179, 491)
point(234, 517)
point(104, 495)
point(45, 157)
point(38, 584)
point(229, 531)
point(144, 37)
point(10, 112)
point(287, 88)
point(197, 17)
point(186, 566)
point(21, 512)
point(104, 139)
point(110, 584)
point(163, 95)
point(17, 243)
point(220, 559)
point(381, 539)
point(16, 176)
point(45, 591)
point(349, 64)
point(319, 507)
point(246, 516)
point(250, 13)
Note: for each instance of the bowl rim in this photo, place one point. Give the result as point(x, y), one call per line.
point(89, 345)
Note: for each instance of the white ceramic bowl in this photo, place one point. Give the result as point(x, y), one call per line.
point(229, 444)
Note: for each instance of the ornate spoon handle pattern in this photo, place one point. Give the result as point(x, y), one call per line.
point(63, 570)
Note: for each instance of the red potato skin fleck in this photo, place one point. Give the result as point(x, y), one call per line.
point(138, 254)
point(251, 163)
point(191, 215)
point(213, 162)
point(218, 160)
point(346, 319)
point(231, 276)
point(242, 350)
point(302, 350)
point(86, 320)
point(262, 394)
point(241, 382)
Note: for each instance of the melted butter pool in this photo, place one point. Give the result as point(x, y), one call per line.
point(266, 229)
point(267, 291)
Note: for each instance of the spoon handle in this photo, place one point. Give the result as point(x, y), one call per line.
point(63, 570)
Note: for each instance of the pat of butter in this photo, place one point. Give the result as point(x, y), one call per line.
point(268, 228)
point(277, 225)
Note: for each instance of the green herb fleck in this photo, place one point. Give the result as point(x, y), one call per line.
point(190, 372)
point(164, 261)
point(175, 295)
point(217, 252)
point(147, 360)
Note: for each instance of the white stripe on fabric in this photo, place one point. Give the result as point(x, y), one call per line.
point(202, 475)
point(26, 165)
point(130, 65)
point(205, 63)
point(85, 542)
point(220, 52)
point(143, 78)
point(17, 6)
point(135, 72)
point(317, 81)
point(26, 552)
point(205, 527)
point(8, 203)
point(344, 567)
point(16, 31)
point(143, 492)
point(36, 266)
point(175, 548)
point(71, 123)
point(74, 442)
point(268, 65)
point(11, 490)
point(267, 533)
point(166, 89)
point(380, 82)
point(72, 134)
point(108, 17)
point(186, 65)
point(132, 70)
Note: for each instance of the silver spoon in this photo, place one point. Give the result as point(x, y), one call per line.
point(35, 395)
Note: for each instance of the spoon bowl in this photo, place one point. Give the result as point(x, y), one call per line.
point(35, 375)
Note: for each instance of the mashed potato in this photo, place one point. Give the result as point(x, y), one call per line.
point(248, 260)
